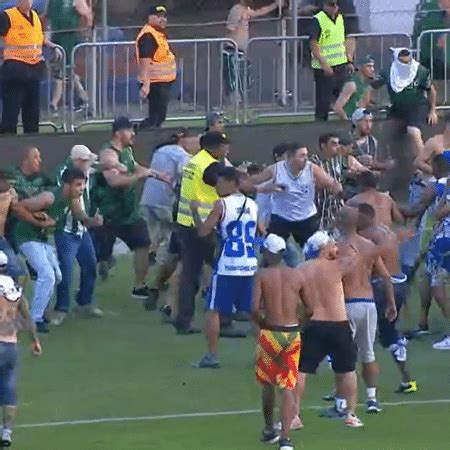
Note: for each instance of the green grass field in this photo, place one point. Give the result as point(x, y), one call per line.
point(128, 379)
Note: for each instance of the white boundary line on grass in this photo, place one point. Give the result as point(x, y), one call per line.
point(201, 414)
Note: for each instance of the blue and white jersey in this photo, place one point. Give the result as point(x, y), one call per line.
point(237, 233)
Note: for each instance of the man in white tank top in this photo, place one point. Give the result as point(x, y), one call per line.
point(235, 218)
point(294, 210)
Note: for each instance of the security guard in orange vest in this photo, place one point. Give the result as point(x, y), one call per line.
point(23, 67)
point(156, 65)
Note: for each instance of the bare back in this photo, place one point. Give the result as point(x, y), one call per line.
point(380, 201)
point(388, 244)
point(322, 289)
point(357, 282)
point(280, 293)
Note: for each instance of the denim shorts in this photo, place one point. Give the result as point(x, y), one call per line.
point(8, 373)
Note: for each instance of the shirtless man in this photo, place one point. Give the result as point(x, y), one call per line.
point(12, 305)
point(276, 299)
point(388, 244)
point(359, 300)
point(328, 331)
point(386, 210)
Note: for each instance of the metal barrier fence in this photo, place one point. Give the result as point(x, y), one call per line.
point(278, 80)
point(109, 70)
point(433, 52)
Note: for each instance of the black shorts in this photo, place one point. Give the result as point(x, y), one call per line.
point(301, 231)
point(413, 117)
point(135, 235)
point(174, 244)
point(320, 339)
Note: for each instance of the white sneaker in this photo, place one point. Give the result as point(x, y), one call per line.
point(6, 438)
point(442, 345)
point(89, 310)
point(58, 318)
point(353, 421)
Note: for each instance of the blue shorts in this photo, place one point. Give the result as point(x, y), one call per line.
point(14, 268)
point(228, 291)
point(8, 374)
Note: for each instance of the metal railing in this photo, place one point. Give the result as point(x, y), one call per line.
point(278, 80)
point(433, 52)
point(109, 70)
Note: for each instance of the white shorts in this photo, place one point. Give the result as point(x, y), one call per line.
point(362, 315)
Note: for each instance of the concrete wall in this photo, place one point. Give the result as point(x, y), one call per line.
point(253, 143)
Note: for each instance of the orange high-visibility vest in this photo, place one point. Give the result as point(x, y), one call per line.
point(23, 41)
point(163, 67)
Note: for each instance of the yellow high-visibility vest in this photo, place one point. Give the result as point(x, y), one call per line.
point(331, 41)
point(193, 188)
point(163, 68)
point(23, 41)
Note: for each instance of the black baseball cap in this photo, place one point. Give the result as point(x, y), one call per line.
point(121, 123)
point(214, 138)
point(156, 10)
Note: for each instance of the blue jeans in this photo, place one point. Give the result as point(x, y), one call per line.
point(42, 258)
point(410, 249)
point(71, 247)
point(14, 268)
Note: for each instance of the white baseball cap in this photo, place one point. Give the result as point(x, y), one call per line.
point(274, 244)
point(82, 152)
point(3, 258)
point(359, 114)
point(315, 243)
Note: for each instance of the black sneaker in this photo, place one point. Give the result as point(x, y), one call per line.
point(141, 293)
point(270, 436)
point(286, 444)
point(332, 413)
point(421, 331)
point(188, 331)
point(152, 300)
point(42, 327)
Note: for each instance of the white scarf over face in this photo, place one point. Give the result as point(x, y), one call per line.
point(402, 75)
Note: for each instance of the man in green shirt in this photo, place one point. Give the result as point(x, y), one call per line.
point(356, 92)
point(115, 195)
point(67, 19)
point(74, 243)
point(412, 95)
point(33, 241)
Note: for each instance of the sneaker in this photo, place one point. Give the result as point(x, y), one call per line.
point(152, 300)
point(373, 407)
point(330, 397)
point(188, 331)
point(90, 311)
point(270, 436)
point(141, 293)
point(421, 331)
point(166, 313)
point(6, 439)
point(285, 444)
point(42, 327)
point(230, 331)
point(407, 388)
point(54, 111)
point(443, 344)
point(241, 316)
point(58, 318)
point(352, 421)
point(296, 424)
point(209, 361)
point(332, 413)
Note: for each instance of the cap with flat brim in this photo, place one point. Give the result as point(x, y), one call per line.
point(213, 138)
point(363, 60)
point(122, 123)
point(157, 10)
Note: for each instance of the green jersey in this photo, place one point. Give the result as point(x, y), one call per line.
point(117, 205)
point(26, 232)
point(361, 87)
point(28, 186)
point(63, 16)
point(412, 96)
point(72, 225)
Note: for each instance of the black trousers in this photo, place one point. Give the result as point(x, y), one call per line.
point(195, 251)
point(20, 95)
point(328, 89)
point(158, 101)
